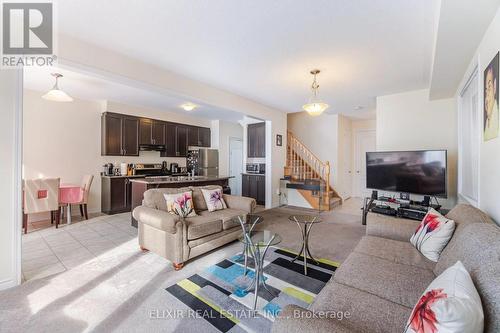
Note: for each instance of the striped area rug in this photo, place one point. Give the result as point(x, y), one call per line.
point(217, 294)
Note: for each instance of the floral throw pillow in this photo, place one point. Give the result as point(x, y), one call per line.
point(450, 303)
point(180, 204)
point(214, 199)
point(432, 234)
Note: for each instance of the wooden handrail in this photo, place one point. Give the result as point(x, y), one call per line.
point(299, 153)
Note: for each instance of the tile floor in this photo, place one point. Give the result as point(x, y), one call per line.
point(49, 251)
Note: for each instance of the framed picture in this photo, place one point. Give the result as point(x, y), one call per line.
point(491, 119)
point(279, 140)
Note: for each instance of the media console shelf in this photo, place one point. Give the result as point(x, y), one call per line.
point(409, 209)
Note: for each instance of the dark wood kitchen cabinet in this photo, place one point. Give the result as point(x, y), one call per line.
point(176, 140)
point(204, 137)
point(119, 135)
point(152, 132)
point(170, 140)
point(254, 186)
point(256, 140)
point(182, 141)
point(193, 136)
point(198, 136)
point(116, 195)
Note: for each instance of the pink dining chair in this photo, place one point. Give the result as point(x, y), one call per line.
point(86, 182)
point(41, 195)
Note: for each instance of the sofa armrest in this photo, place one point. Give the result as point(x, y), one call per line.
point(294, 318)
point(156, 218)
point(242, 203)
point(389, 227)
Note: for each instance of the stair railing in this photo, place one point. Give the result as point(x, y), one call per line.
point(303, 163)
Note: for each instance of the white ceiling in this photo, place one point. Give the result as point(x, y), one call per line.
point(468, 20)
point(92, 88)
point(264, 50)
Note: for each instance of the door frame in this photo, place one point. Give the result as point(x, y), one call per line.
point(355, 140)
point(474, 74)
point(16, 173)
point(232, 139)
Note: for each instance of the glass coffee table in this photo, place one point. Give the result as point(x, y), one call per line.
point(305, 223)
point(248, 223)
point(258, 242)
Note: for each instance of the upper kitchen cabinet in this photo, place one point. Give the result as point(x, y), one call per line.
point(177, 138)
point(204, 137)
point(198, 136)
point(152, 132)
point(119, 135)
point(123, 135)
point(170, 141)
point(182, 141)
point(256, 140)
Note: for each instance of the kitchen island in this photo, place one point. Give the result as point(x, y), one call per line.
point(141, 185)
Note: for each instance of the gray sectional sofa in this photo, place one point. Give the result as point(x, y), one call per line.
point(180, 240)
point(381, 281)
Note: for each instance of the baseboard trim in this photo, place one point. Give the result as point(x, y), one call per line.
point(6, 284)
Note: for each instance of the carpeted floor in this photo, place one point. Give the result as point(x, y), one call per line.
point(123, 289)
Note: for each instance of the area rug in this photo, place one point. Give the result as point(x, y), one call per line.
point(218, 295)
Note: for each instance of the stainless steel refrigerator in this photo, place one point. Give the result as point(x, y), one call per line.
point(204, 161)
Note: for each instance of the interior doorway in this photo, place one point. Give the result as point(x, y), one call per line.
point(235, 164)
point(364, 141)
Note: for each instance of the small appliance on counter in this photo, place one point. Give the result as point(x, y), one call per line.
point(257, 168)
point(174, 168)
point(203, 161)
point(123, 169)
point(108, 169)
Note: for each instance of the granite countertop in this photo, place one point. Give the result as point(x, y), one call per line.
point(132, 176)
point(175, 180)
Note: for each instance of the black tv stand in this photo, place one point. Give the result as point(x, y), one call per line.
point(409, 209)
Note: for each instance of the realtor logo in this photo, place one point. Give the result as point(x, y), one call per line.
point(27, 29)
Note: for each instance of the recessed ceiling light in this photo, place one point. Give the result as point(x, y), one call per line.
point(189, 106)
point(358, 107)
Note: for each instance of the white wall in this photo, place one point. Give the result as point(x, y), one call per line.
point(227, 130)
point(10, 191)
point(64, 140)
point(410, 121)
point(489, 167)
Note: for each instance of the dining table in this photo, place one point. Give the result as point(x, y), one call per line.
point(70, 194)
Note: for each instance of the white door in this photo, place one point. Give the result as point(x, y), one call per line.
point(235, 164)
point(347, 165)
point(364, 141)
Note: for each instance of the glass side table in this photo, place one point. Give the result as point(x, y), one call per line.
point(305, 223)
point(258, 243)
point(247, 222)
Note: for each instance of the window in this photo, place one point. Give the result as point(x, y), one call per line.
point(469, 138)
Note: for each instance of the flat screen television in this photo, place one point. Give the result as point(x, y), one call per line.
point(418, 172)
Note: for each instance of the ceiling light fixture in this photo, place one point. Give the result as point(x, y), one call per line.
point(315, 107)
point(55, 94)
point(189, 106)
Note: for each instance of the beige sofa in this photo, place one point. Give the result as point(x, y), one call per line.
point(179, 240)
point(380, 282)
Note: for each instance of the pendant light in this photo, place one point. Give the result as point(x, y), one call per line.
point(55, 94)
point(315, 107)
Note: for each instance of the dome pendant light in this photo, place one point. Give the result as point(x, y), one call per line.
point(55, 94)
point(315, 107)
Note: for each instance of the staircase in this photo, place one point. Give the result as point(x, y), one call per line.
point(309, 176)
